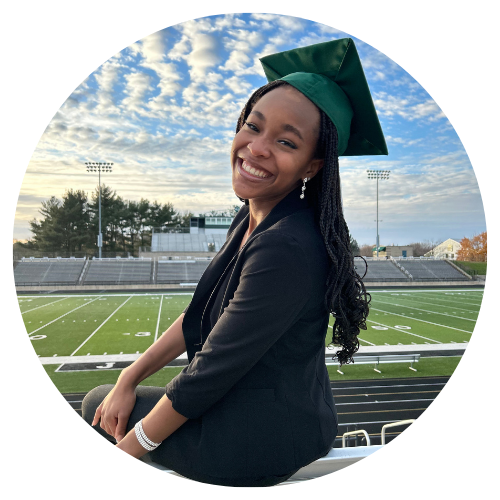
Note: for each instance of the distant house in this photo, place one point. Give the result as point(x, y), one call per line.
point(446, 250)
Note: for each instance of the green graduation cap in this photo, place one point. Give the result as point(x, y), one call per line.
point(330, 75)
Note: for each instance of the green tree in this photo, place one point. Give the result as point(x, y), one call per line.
point(46, 232)
point(354, 245)
point(74, 219)
point(112, 212)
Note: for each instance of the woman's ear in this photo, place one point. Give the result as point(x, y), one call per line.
point(314, 167)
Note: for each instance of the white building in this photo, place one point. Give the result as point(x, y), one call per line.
point(446, 250)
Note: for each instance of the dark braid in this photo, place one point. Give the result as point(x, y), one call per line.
point(346, 297)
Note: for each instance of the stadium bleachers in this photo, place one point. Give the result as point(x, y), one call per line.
point(431, 270)
point(182, 270)
point(380, 270)
point(46, 271)
point(118, 271)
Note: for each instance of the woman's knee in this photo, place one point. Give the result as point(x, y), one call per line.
point(93, 399)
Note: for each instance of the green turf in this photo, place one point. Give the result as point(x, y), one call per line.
point(78, 325)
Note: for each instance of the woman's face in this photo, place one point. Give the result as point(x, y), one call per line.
point(273, 151)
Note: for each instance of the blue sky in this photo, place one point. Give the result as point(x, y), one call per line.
point(163, 110)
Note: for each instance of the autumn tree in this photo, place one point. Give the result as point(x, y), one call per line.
point(473, 249)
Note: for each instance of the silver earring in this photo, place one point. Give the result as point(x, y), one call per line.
point(304, 188)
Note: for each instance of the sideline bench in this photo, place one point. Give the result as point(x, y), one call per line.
point(337, 459)
point(386, 358)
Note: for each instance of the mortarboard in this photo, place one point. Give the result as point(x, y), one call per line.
point(331, 76)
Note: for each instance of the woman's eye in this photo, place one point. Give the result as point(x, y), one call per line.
point(285, 142)
point(251, 126)
point(288, 143)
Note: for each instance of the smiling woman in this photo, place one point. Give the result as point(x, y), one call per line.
point(254, 404)
point(274, 149)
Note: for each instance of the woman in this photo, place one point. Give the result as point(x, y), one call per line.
point(254, 404)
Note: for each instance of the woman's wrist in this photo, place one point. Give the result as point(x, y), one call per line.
point(127, 379)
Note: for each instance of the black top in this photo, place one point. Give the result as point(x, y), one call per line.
point(256, 390)
point(215, 303)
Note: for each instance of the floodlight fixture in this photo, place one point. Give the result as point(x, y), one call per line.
point(99, 167)
point(378, 174)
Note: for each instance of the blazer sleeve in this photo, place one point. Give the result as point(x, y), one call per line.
point(273, 289)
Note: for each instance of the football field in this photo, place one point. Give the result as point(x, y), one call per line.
point(128, 323)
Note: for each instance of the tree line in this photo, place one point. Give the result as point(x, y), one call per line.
point(70, 225)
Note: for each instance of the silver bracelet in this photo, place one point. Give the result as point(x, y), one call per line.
point(144, 441)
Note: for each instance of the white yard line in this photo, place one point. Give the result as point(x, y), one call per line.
point(102, 324)
point(105, 294)
point(158, 322)
point(44, 305)
point(69, 312)
point(421, 320)
point(403, 331)
point(425, 310)
point(366, 341)
point(455, 301)
point(359, 338)
point(440, 305)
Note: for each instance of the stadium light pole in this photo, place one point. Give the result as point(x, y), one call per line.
point(378, 174)
point(99, 167)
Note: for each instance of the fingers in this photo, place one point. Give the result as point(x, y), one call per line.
point(103, 424)
point(120, 432)
point(120, 428)
point(111, 426)
point(97, 415)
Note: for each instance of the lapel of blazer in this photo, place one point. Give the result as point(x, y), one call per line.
point(216, 270)
point(221, 262)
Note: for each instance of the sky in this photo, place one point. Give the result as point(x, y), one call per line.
point(164, 109)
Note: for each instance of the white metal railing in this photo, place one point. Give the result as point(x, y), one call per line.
point(394, 424)
point(355, 433)
point(376, 360)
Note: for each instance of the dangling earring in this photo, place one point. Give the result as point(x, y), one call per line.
point(304, 188)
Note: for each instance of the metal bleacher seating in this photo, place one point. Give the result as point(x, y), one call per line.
point(47, 271)
point(118, 271)
point(431, 270)
point(379, 270)
point(181, 271)
point(184, 270)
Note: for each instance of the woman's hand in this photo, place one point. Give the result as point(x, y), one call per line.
point(115, 411)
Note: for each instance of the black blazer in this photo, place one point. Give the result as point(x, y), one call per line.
point(257, 386)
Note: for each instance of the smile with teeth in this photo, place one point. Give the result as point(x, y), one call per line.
point(253, 171)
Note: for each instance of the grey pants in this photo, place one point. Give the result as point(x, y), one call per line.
point(146, 399)
point(173, 452)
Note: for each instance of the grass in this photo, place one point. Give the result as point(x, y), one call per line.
point(115, 323)
point(480, 267)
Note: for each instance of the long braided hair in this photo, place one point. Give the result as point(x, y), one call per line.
point(346, 297)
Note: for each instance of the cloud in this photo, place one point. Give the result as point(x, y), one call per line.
point(138, 84)
point(164, 111)
point(428, 109)
point(238, 85)
point(407, 108)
